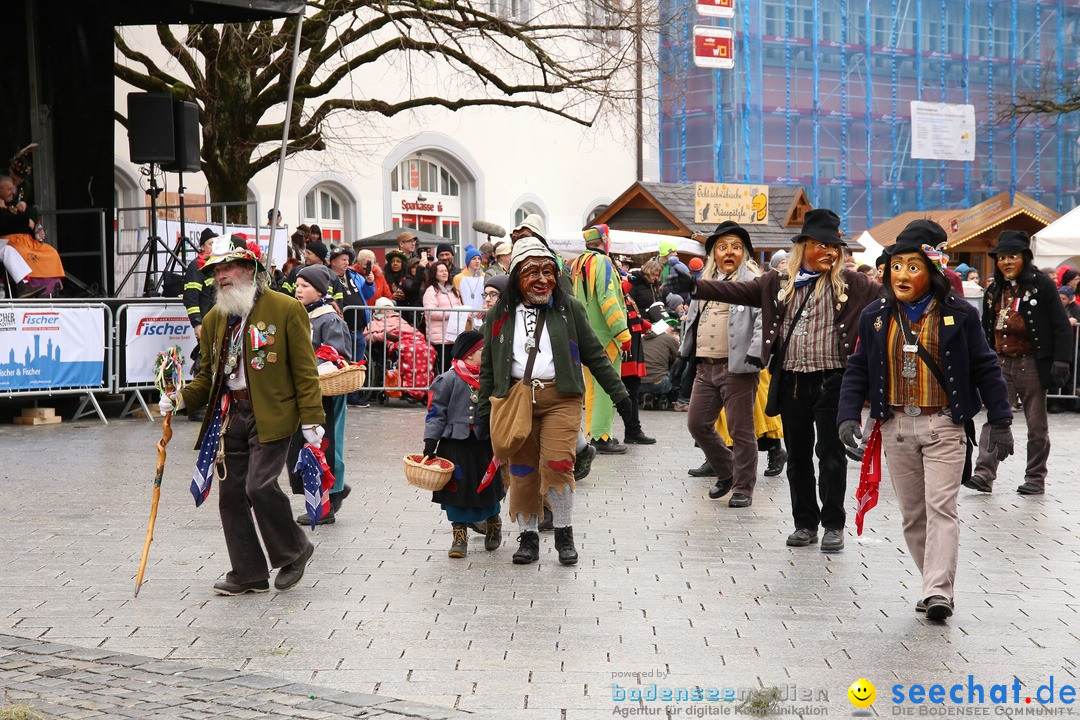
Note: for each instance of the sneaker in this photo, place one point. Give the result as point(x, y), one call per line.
point(703, 470)
point(802, 537)
point(583, 462)
point(832, 541)
point(938, 607)
point(977, 483)
point(459, 548)
point(228, 587)
point(777, 460)
point(528, 548)
point(611, 446)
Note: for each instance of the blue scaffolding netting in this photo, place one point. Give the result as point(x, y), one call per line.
point(820, 93)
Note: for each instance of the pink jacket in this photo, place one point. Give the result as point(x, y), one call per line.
point(442, 327)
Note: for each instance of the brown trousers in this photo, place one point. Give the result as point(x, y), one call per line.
point(251, 486)
point(716, 389)
point(1022, 380)
point(546, 459)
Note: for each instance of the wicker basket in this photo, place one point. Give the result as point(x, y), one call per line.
point(343, 381)
point(432, 475)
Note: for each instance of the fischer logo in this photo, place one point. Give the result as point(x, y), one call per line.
point(41, 320)
point(163, 326)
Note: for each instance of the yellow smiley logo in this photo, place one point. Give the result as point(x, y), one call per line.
point(862, 693)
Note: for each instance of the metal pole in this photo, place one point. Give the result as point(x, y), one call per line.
point(285, 132)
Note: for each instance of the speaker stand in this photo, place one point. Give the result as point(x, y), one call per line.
point(153, 282)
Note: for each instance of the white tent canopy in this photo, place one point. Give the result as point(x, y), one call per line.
point(873, 249)
point(625, 242)
point(1059, 242)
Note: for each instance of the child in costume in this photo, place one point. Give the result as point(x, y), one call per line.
point(453, 432)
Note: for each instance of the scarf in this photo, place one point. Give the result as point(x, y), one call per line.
point(917, 309)
point(866, 496)
point(315, 305)
point(468, 372)
point(203, 478)
point(805, 277)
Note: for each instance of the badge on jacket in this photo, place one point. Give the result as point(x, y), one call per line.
point(877, 323)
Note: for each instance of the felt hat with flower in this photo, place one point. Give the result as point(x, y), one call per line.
point(224, 250)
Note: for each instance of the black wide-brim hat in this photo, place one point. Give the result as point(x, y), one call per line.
point(823, 225)
point(1011, 241)
point(729, 227)
point(915, 235)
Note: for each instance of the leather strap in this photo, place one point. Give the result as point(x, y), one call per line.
point(540, 319)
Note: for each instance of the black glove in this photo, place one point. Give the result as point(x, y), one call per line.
point(755, 361)
point(1060, 374)
point(682, 282)
point(1000, 440)
point(850, 435)
point(429, 447)
point(625, 406)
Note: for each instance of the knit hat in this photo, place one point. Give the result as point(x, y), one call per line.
point(529, 247)
point(499, 282)
point(963, 269)
point(443, 247)
point(696, 264)
point(466, 344)
point(777, 257)
point(318, 277)
point(318, 248)
point(1067, 291)
point(535, 224)
point(673, 301)
point(470, 253)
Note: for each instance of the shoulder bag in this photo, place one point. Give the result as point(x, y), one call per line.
point(776, 364)
point(511, 416)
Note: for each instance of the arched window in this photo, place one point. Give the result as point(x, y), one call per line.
point(526, 209)
point(322, 207)
point(426, 196)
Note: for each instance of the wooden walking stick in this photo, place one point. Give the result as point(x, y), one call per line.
point(168, 377)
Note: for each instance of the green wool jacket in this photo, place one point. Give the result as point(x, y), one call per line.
point(284, 392)
point(572, 341)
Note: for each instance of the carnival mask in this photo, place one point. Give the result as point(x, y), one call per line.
point(728, 253)
point(819, 256)
point(1010, 265)
point(537, 277)
point(910, 276)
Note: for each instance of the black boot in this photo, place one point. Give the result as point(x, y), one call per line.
point(548, 521)
point(493, 537)
point(704, 470)
point(777, 460)
point(337, 498)
point(459, 548)
point(564, 543)
point(528, 548)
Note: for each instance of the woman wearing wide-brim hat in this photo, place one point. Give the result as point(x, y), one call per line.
point(809, 316)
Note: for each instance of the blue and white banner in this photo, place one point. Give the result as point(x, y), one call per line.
point(49, 348)
point(148, 330)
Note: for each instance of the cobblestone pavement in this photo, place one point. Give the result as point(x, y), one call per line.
point(673, 589)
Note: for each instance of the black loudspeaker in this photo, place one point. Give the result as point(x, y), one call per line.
point(150, 128)
point(186, 127)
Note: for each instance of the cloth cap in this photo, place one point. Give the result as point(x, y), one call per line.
point(384, 302)
point(342, 250)
point(529, 247)
point(535, 225)
point(503, 248)
point(499, 282)
point(823, 225)
point(729, 227)
point(1011, 241)
point(406, 236)
point(673, 301)
point(466, 344)
point(317, 247)
point(318, 276)
point(1067, 291)
point(470, 253)
point(223, 250)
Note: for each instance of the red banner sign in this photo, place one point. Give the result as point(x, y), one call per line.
point(714, 47)
point(716, 8)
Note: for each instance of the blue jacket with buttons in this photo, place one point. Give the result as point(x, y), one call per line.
point(452, 409)
point(972, 375)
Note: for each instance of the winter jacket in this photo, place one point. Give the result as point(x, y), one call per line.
point(645, 295)
point(437, 322)
point(452, 411)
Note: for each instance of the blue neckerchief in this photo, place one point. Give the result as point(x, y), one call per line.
point(915, 310)
point(317, 304)
point(805, 277)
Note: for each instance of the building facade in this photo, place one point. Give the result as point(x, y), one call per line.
point(819, 97)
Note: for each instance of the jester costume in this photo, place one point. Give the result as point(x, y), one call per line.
point(598, 286)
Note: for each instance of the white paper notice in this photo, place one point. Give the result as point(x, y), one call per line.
point(942, 131)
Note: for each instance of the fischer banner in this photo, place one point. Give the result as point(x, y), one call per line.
point(50, 348)
point(148, 330)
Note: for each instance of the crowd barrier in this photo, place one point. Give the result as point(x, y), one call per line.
point(51, 347)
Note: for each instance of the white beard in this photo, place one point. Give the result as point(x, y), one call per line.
point(237, 299)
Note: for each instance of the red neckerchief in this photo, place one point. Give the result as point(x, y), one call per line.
point(468, 372)
point(866, 496)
